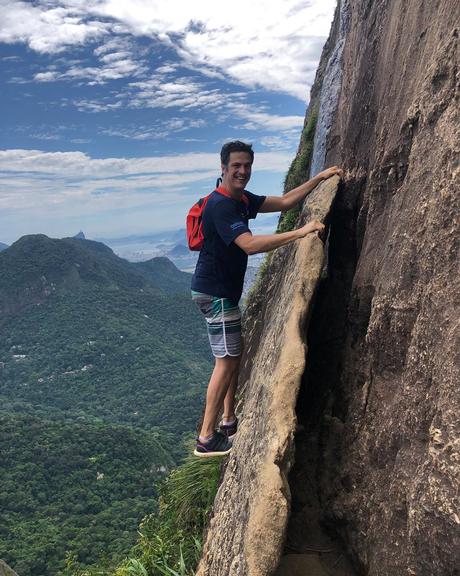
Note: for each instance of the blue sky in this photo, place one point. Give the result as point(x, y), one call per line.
point(114, 111)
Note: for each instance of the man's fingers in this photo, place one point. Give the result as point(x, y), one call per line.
point(335, 170)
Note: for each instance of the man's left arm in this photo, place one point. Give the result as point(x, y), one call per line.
point(296, 195)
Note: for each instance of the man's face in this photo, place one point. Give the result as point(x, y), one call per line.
point(238, 171)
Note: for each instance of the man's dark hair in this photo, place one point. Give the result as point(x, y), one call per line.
point(235, 146)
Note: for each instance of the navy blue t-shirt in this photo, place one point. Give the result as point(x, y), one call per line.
point(222, 264)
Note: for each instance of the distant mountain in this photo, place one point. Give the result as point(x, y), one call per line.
point(3, 246)
point(179, 251)
point(35, 265)
point(103, 366)
point(80, 236)
point(85, 332)
point(173, 245)
point(179, 235)
point(164, 274)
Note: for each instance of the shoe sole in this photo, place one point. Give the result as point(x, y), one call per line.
point(210, 454)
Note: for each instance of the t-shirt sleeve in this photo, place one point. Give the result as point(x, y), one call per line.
point(228, 222)
point(255, 202)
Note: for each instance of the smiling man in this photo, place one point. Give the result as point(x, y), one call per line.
point(219, 275)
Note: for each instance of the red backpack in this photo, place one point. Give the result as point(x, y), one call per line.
point(194, 221)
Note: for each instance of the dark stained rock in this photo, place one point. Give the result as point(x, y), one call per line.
point(396, 132)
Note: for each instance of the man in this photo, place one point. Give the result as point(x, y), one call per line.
point(217, 283)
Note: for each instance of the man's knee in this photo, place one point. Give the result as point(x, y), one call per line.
point(229, 363)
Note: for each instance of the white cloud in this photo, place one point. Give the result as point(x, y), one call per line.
point(115, 62)
point(44, 136)
point(188, 94)
point(258, 44)
point(285, 142)
point(47, 26)
point(257, 119)
point(157, 130)
point(100, 105)
point(49, 76)
point(48, 191)
point(32, 178)
point(80, 165)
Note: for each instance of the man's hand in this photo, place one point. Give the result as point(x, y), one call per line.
point(325, 174)
point(266, 242)
point(312, 226)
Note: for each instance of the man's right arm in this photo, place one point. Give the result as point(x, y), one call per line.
point(266, 242)
point(292, 198)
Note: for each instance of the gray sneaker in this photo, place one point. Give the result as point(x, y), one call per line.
point(229, 430)
point(217, 445)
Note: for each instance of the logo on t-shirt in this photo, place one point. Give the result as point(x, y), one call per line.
point(237, 225)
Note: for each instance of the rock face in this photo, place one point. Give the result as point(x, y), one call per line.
point(5, 570)
point(396, 132)
point(379, 387)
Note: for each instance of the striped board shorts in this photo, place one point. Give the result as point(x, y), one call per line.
point(223, 320)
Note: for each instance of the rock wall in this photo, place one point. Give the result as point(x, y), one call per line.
point(379, 386)
point(329, 84)
point(396, 132)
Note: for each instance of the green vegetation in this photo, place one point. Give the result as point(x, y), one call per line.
point(73, 488)
point(288, 220)
point(88, 336)
point(123, 356)
point(300, 166)
point(261, 272)
point(170, 541)
point(299, 170)
point(103, 365)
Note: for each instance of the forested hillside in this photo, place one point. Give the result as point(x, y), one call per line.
point(102, 369)
point(73, 489)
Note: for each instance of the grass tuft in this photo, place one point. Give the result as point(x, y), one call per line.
point(170, 542)
point(299, 171)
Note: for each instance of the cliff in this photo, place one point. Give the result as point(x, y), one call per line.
point(352, 361)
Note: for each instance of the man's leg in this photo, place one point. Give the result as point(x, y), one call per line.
point(229, 400)
point(222, 385)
